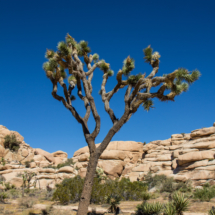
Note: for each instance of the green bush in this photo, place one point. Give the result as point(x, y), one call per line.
point(205, 194)
point(212, 211)
point(3, 196)
point(66, 163)
point(149, 208)
point(167, 184)
point(11, 142)
point(9, 186)
point(70, 190)
point(146, 196)
point(180, 202)
point(114, 201)
point(169, 209)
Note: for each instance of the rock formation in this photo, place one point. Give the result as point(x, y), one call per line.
point(13, 165)
point(183, 157)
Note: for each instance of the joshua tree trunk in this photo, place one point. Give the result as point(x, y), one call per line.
point(87, 189)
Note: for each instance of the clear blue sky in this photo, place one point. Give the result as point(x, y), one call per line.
point(182, 32)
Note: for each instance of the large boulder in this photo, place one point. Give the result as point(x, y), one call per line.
point(60, 154)
point(195, 156)
point(112, 167)
point(47, 155)
point(113, 155)
point(202, 132)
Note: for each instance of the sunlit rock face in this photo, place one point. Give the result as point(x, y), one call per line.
point(182, 156)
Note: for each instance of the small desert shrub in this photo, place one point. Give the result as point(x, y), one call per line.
point(113, 201)
point(149, 208)
point(146, 196)
point(66, 163)
point(180, 202)
point(205, 194)
point(153, 181)
point(3, 196)
point(9, 186)
point(2, 179)
point(211, 211)
point(185, 187)
point(70, 190)
point(14, 193)
point(167, 184)
point(169, 209)
point(10, 142)
point(26, 202)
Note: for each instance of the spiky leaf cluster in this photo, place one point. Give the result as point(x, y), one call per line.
point(49, 54)
point(47, 67)
point(53, 63)
point(148, 104)
point(178, 87)
point(180, 202)
point(64, 50)
point(189, 77)
point(82, 48)
point(133, 79)
point(128, 66)
point(169, 209)
point(72, 78)
point(70, 40)
point(149, 208)
point(183, 78)
point(104, 66)
point(110, 72)
point(148, 54)
point(155, 56)
point(63, 73)
point(95, 58)
point(212, 211)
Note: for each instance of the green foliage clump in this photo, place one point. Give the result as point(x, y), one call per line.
point(148, 54)
point(95, 58)
point(104, 66)
point(114, 201)
point(128, 66)
point(211, 211)
point(169, 209)
point(205, 194)
point(64, 50)
point(148, 104)
point(9, 186)
point(183, 79)
point(68, 162)
point(70, 190)
point(149, 208)
point(167, 184)
point(10, 142)
point(133, 79)
point(3, 196)
point(180, 203)
point(146, 196)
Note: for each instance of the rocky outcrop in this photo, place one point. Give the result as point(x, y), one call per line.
point(183, 156)
point(13, 166)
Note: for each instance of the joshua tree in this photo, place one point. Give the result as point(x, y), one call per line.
point(68, 60)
